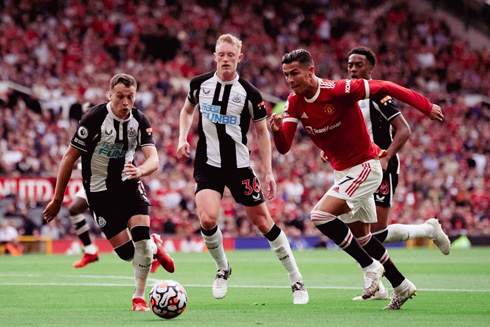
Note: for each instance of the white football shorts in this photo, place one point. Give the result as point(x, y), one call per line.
point(356, 186)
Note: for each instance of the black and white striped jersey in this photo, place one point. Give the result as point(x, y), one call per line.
point(378, 113)
point(107, 143)
point(225, 111)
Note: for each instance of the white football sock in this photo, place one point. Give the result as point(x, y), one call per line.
point(283, 251)
point(214, 243)
point(143, 256)
point(400, 232)
point(90, 249)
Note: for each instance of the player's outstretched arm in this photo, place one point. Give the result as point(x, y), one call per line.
point(64, 173)
point(416, 100)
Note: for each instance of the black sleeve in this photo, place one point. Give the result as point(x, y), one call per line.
point(195, 86)
point(387, 107)
point(89, 128)
point(146, 132)
point(254, 101)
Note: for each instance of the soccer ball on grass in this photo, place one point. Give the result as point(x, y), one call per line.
point(168, 299)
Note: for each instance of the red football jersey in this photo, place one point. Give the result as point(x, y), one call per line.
point(334, 121)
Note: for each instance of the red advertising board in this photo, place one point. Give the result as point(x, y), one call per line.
point(36, 189)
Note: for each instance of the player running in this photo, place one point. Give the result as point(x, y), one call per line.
point(332, 118)
point(107, 139)
point(382, 116)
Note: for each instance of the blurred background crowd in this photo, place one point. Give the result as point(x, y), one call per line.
point(58, 55)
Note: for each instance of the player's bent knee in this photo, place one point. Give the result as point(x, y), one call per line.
point(208, 222)
point(125, 251)
point(321, 217)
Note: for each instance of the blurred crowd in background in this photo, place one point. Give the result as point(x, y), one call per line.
point(59, 55)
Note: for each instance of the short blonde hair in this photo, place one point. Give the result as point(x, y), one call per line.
point(233, 40)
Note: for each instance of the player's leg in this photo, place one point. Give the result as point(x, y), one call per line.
point(332, 211)
point(403, 289)
point(207, 203)
point(279, 243)
point(125, 248)
point(373, 246)
point(245, 188)
point(143, 257)
point(209, 191)
point(119, 214)
point(81, 226)
point(385, 233)
point(334, 228)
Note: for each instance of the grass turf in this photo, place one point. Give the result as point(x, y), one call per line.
point(42, 290)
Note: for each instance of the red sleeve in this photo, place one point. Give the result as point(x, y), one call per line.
point(283, 138)
point(401, 93)
point(349, 90)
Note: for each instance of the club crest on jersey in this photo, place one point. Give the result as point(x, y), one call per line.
point(82, 132)
point(132, 132)
point(236, 98)
point(101, 221)
point(329, 109)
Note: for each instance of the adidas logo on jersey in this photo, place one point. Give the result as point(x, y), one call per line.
point(304, 116)
point(336, 189)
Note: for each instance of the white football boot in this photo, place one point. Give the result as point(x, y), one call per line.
point(220, 284)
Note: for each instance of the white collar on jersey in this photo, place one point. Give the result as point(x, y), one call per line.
point(313, 99)
point(227, 82)
point(115, 117)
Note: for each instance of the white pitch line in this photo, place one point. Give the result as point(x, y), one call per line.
point(232, 286)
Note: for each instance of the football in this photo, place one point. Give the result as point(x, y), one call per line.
point(168, 299)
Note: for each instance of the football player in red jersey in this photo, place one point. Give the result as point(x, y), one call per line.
point(382, 116)
point(333, 120)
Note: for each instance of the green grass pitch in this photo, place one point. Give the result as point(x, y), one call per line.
point(44, 290)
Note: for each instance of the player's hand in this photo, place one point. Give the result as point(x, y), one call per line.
point(183, 151)
point(275, 122)
point(52, 210)
point(323, 156)
point(270, 187)
point(132, 171)
point(384, 163)
point(436, 113)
